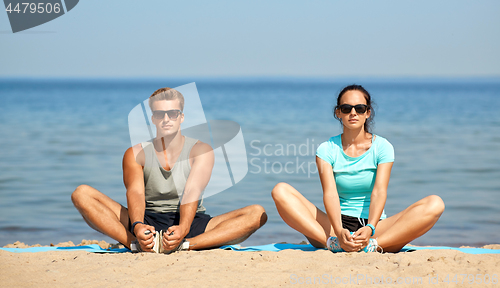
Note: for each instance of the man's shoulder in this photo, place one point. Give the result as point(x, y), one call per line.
point(135, 152)
point(200, 148)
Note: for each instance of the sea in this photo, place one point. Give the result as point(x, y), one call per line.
point(56, 134)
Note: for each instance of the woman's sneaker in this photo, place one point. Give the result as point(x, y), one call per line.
point(333, 245)
point(373, 246)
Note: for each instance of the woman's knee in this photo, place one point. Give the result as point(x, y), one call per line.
point(280, 191)
point(435, 204)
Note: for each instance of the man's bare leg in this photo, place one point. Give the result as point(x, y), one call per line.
point(102, 213)
point(230, 228)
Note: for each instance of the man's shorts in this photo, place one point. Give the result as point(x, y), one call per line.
point(353, 223)
point(162, 221)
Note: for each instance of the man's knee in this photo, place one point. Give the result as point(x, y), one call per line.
point(256, 208)
point(258, 213)
point(79, 194)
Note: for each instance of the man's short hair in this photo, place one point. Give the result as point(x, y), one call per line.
point(166, 94)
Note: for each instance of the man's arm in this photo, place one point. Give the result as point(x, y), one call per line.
point(201, 169)
point(133, 178)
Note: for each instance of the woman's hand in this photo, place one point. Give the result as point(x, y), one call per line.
point(347, 242)
point(362, 236)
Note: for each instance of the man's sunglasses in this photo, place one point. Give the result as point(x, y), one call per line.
point(172, 114)
point(346, 108)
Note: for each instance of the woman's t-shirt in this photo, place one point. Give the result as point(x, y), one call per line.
point(355, 176)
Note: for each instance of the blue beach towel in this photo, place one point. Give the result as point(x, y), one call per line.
point(309, 247)
point(94, 248)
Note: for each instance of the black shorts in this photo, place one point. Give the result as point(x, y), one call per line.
point(162, 221)
point(353, 223)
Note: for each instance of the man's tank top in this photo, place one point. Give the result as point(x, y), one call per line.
point(164, 187)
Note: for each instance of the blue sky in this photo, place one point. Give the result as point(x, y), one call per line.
point(217, 38)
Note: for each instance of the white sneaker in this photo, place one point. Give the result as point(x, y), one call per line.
point(184, 246)
point(333, 245)
point(373, 246)
point(158, 248)
point(158, 245)
point(135, 247)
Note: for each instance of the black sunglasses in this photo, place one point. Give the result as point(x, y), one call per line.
point(172, 114)
point(346, 108)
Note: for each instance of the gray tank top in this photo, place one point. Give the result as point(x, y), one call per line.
point(163, 187)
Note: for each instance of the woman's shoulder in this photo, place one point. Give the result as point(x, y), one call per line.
point(379, 140)
point(384, 150)
point(332, 141)
point(329, 146)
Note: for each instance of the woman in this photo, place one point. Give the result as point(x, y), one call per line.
point(354, 168)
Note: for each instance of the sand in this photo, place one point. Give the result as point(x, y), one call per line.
point(221, 268)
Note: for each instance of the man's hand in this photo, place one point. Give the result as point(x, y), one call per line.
point(146, 241)
point(362, 236)
point(347, 242)
point(173, 237)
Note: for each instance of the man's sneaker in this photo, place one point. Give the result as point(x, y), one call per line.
point(373, 246)
point(333, 245)
point(184, 246)
point(158, 248)
point(135, 247)
point(158, 242)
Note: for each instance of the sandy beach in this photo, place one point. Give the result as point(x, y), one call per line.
point(222, 268)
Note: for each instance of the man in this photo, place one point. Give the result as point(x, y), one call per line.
point(165, 179)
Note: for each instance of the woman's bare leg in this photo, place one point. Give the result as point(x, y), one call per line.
point(396, 231)
point(103, 214)
point(300, 214)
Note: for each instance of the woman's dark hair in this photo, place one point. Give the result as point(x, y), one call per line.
point(369, 103)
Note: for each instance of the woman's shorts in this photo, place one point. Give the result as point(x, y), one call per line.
point(353, 223)
point(162, 221)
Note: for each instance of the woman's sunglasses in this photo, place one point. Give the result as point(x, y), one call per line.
point(172, 114)
point(346, 108)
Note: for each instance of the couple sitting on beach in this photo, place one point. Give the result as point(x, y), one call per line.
point(354, 169)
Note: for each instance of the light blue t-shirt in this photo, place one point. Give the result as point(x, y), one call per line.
point(355, 176)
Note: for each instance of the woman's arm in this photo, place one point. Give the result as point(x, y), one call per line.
point(377, 202)
point(379, 193)
point(330, 194)
point(332, 205)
